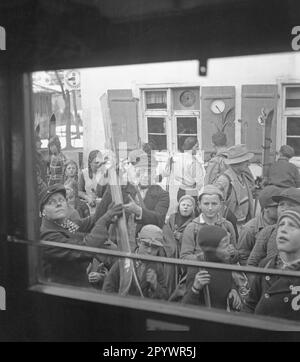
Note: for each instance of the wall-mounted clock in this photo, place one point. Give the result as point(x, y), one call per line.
point(217, 106)
point(187, 98)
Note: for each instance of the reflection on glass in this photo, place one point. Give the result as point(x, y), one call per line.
point(292, 97)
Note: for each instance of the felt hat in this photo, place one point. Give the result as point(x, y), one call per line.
point(237, 154)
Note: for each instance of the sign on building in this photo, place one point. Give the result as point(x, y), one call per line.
point(72, 79)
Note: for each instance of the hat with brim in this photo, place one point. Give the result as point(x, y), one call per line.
point(238, 154)
point(138, 158)
point(152, 235)
point(49, 191)
point(292, 194)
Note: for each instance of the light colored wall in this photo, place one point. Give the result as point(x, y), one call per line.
point(262, 69)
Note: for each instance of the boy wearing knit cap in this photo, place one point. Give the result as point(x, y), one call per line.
point(279, 296)
point(213, 287)
point(267, 216)
point(210, 203)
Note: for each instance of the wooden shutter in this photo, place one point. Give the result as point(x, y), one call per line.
point(254, 98)
point(123, 108)
point(208, 118)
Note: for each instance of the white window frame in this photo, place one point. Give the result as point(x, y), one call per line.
point(284, 113)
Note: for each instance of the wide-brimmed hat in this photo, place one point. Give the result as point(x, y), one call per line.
point(151, 234)
point(238, 154)
point(291, 193)
point(49, 191)
point(138, 158)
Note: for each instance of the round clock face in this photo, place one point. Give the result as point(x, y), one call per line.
point(217, 106)
point(187, 98)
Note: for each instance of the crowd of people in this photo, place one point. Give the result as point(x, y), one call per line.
point(216, 220)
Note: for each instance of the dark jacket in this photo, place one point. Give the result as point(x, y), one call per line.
point(69, 266)
point(273, 295)
point(156, 202)
point(219, 287)
point(283, 174)
point(112, 281)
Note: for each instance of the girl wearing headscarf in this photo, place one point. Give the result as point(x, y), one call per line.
point(173, 230)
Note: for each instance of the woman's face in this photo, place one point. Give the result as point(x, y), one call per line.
point(210, 205)
point(96, 162)
point(71, 170)
point(186, 207)
point(222, 251)
point(56, 207)
point(288, 236)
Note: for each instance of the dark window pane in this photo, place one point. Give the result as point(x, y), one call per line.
point(295, 143)
point(156, 125)
point(156, 100)
point(186, 125)
point(159, 142)
point(293, 126)
point(292, 97)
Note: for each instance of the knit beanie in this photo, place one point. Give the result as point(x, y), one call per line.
point(209, 238)
point(292, 214)
point(210, 190)
point(187, 197)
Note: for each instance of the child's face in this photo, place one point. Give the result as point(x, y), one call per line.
point(70, 170)
point(288, 236)
point(186, 207)
point(222, 251)
point(210, 205)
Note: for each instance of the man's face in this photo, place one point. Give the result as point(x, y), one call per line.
point(288, 236)
point(56, 207)
point(240, 167)
point(142, 176)
point(271, 212)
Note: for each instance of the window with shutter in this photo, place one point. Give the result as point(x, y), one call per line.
point(254, 98)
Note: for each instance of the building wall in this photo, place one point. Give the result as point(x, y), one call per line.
point(238, 71)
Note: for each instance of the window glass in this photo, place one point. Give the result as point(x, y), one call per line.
point(292, 97)
point(156, 99)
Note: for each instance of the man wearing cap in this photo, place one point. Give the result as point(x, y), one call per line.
point(284, 173)
point(66, 265)
point(265, 246)
point(150, 281)
point(267, 216)
point(237, 183)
